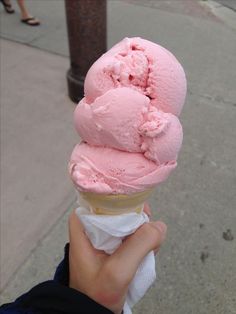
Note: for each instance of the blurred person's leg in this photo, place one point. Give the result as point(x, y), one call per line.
point(26, 17)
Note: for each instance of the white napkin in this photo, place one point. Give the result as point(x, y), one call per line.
point(106, 233)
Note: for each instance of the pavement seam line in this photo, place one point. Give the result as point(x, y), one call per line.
point(2, 36)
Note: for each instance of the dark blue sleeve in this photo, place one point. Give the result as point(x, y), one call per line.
point(54, 297)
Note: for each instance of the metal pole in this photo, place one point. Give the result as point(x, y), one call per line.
point(86, 26)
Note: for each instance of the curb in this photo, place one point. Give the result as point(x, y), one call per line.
point(227, 15)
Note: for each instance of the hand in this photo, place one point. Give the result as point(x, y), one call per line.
point(106, 278)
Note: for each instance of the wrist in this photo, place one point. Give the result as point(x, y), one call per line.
point(112, 301)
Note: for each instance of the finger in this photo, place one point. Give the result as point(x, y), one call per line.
point(80, 247)
point(77, 233)
point(131, 253)
point(147, 210)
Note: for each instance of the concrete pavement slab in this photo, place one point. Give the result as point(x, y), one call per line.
point(231, 4)
point(51, 35)
point(41, 264)
point(12, 28)
point(182, 7)
point(37, 137)
point(225, 13)
point(55, 42)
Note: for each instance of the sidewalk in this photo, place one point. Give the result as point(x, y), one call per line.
point(196, 265)
point(37, 137)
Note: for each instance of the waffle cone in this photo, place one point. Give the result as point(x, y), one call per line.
point(116, 204)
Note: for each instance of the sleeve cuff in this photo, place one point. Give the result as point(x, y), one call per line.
point(51, 297)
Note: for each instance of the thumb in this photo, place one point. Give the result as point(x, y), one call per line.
point(135, 247)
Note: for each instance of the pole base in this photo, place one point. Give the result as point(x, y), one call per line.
point(75, 86)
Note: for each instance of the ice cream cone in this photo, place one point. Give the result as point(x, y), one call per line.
point(101, 204)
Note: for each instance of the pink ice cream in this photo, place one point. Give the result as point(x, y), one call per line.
point(110, 171)
point(141, 65)
point(128, 120)
point(124, 119)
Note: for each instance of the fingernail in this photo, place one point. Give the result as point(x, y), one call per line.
point(161, 226)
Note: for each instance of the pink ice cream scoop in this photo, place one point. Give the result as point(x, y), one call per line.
point(128, 120)
point(124, 119)
point(110, 171)
point(143, 66)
